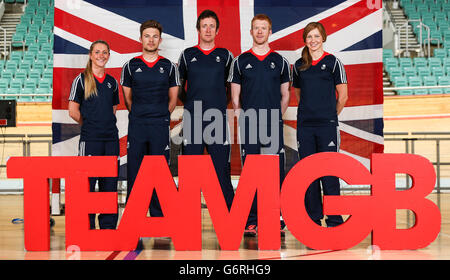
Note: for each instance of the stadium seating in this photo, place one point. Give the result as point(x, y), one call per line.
point(419, 71)
point(402, 82)
point(444, 81)
point(423, 71)
point(31, 59)
point(433, 13)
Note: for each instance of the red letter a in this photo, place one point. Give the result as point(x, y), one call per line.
point(260, 173)
point(181, 208)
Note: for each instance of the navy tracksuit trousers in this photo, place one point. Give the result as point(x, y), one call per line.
point(249, 146)
point(146, 139)
point(218, 150)
point(311, 140)
point(101, 148)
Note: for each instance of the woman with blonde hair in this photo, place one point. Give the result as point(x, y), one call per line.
point(93, 101)
point(320, 85)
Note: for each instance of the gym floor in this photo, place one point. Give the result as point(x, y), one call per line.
point(12, 242)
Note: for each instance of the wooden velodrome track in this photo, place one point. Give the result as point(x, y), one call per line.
point(405, 114)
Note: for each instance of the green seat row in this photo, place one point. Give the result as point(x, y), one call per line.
point(419, 81)
point(403, 62)
point(419, 71)
point(31, 96)
point(30, 82)
point(21, 73)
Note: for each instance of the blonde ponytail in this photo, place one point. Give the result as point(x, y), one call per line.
point(90, 88)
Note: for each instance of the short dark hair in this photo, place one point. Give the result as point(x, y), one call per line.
point(151, 24)
point(207, 14)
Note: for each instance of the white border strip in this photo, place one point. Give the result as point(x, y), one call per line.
point(363, 160)
point(417, 116)
point(190, 22)
point(353, 113)
point(290, 137)
point(361, 133)
point(365, 112)
point(86, 11)
point(355, 32)
point(246, 13)
point(62, 116)
point(347, 57)
point(360, 56)
point(78, 61)
point(294, 28)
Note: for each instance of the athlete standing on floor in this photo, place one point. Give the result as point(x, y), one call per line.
point(260, 81)
point(93, 101)
point(150, 86)
point(320, 84)
point(205, 69)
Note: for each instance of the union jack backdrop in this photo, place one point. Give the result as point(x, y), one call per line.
point(354, 35)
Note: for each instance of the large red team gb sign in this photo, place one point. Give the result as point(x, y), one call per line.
point(369, 214)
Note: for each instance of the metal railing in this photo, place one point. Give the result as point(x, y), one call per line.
point(389, 23)
point(410, 140)
point(26, 94)
point(434, 39)
point(418, 87)
point(5, 53)
point(26, 140)
point(406, 27)
point(18, 42)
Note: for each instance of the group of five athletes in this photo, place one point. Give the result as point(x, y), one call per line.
point(258, 80)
